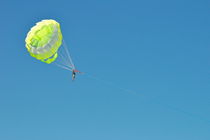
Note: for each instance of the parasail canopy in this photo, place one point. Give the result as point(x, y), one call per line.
point(44, 40)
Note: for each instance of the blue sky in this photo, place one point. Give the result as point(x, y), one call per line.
point(157, 49)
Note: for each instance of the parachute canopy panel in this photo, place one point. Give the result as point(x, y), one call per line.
point(44, 40)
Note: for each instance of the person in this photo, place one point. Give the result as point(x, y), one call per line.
point(73, 75)
point(74, 71)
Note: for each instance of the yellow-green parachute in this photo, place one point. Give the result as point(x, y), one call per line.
point(44, 40)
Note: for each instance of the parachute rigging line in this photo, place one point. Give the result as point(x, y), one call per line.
point(69, 56)
point(64, 59)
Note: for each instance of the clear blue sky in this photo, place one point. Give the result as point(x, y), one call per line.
point(159, 49)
